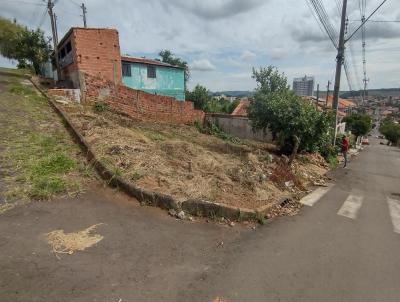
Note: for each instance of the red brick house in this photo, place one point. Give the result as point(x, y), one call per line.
point(94, 51)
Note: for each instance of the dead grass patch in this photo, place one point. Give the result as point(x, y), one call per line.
point(69, 243)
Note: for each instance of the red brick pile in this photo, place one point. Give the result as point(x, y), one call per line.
point(139, 104)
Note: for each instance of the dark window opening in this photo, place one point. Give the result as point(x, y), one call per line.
point(68, 47)
point(62, 53)
point(126, 70)
point(151, 72)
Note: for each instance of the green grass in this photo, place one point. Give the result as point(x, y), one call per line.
point(37, 148)
point(332, 161)
point(136, 175)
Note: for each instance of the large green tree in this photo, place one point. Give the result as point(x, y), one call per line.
point(358, 124)
point(295, 124)
point(28, 47)
point(168, 57)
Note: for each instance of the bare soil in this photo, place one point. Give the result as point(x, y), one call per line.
point(181, 161)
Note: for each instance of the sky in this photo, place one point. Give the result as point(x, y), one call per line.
point(222, 40)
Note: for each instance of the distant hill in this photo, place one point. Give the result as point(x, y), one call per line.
point(233, 93)
point(383, 92)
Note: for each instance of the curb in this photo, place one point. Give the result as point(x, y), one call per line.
point(195, 207)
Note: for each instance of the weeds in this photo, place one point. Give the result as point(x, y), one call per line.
point(136, 175)
point(261, 219)
point(100, 106)
point(214, 130)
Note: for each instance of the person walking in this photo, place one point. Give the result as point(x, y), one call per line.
point(345, 149)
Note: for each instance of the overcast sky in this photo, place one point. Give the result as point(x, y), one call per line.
point(223, 39)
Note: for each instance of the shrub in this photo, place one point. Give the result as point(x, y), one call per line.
point(391, 131)
point(100, 106)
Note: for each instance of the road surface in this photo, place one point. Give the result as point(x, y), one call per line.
point(343, 246)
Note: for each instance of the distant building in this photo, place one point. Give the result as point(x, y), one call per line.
point(304, 86)
point(241, 108)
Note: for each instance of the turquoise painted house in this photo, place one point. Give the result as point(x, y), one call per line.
point(154, 77)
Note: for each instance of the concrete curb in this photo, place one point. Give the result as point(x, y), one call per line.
point(195, 207)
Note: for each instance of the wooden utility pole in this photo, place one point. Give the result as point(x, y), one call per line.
point(316, 104)
point(50, 6)
point(84, 11)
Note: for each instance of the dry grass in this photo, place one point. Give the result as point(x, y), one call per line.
point(181, 161)
point(69, 243)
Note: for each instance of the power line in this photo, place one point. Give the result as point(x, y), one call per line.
point(25, 2)
point(42, 18)
point(323, 18)
point(378, 21)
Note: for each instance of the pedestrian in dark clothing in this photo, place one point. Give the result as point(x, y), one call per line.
point(345, 149)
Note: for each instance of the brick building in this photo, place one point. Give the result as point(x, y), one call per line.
point(91, 64)
point(94, 51)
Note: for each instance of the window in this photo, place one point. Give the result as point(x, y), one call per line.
point(68, 47)
point(126, 70)
point(62, 53)
point(151, 72)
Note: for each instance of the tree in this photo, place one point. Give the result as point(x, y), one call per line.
point(391, 131)
point(200, 96)
point(168, 57)
point(28, 47)
point(295, 124)
point(358, 124)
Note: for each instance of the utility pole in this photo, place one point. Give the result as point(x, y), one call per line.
point(84, 11)
point(339, 57)
point(316, 104)
point(327, 94)
point(339, 63)
point(50, 6)
point(55, 27)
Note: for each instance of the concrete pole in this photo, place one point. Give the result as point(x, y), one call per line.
point(339, 63)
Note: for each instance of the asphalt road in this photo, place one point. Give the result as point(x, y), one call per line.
point(345, 247)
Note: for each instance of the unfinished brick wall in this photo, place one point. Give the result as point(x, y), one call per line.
point(96, 51)
point(139, 104)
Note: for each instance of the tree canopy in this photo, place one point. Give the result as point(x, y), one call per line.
point(199, 96)
point(390, 130)
point(168, 57)
point(358, 124)
point(294, 123)
point(202, 99)
point(29, 47)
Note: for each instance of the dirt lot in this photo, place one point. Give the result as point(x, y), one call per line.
point(181, 161)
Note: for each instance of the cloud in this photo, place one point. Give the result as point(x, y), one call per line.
point(202, 65)
point(248, 56)
point(216, 9)
point(228, 37)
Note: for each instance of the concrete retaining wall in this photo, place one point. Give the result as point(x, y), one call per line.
point(239, 126)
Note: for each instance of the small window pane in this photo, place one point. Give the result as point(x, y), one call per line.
point(126, 70)
point(151, 72)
